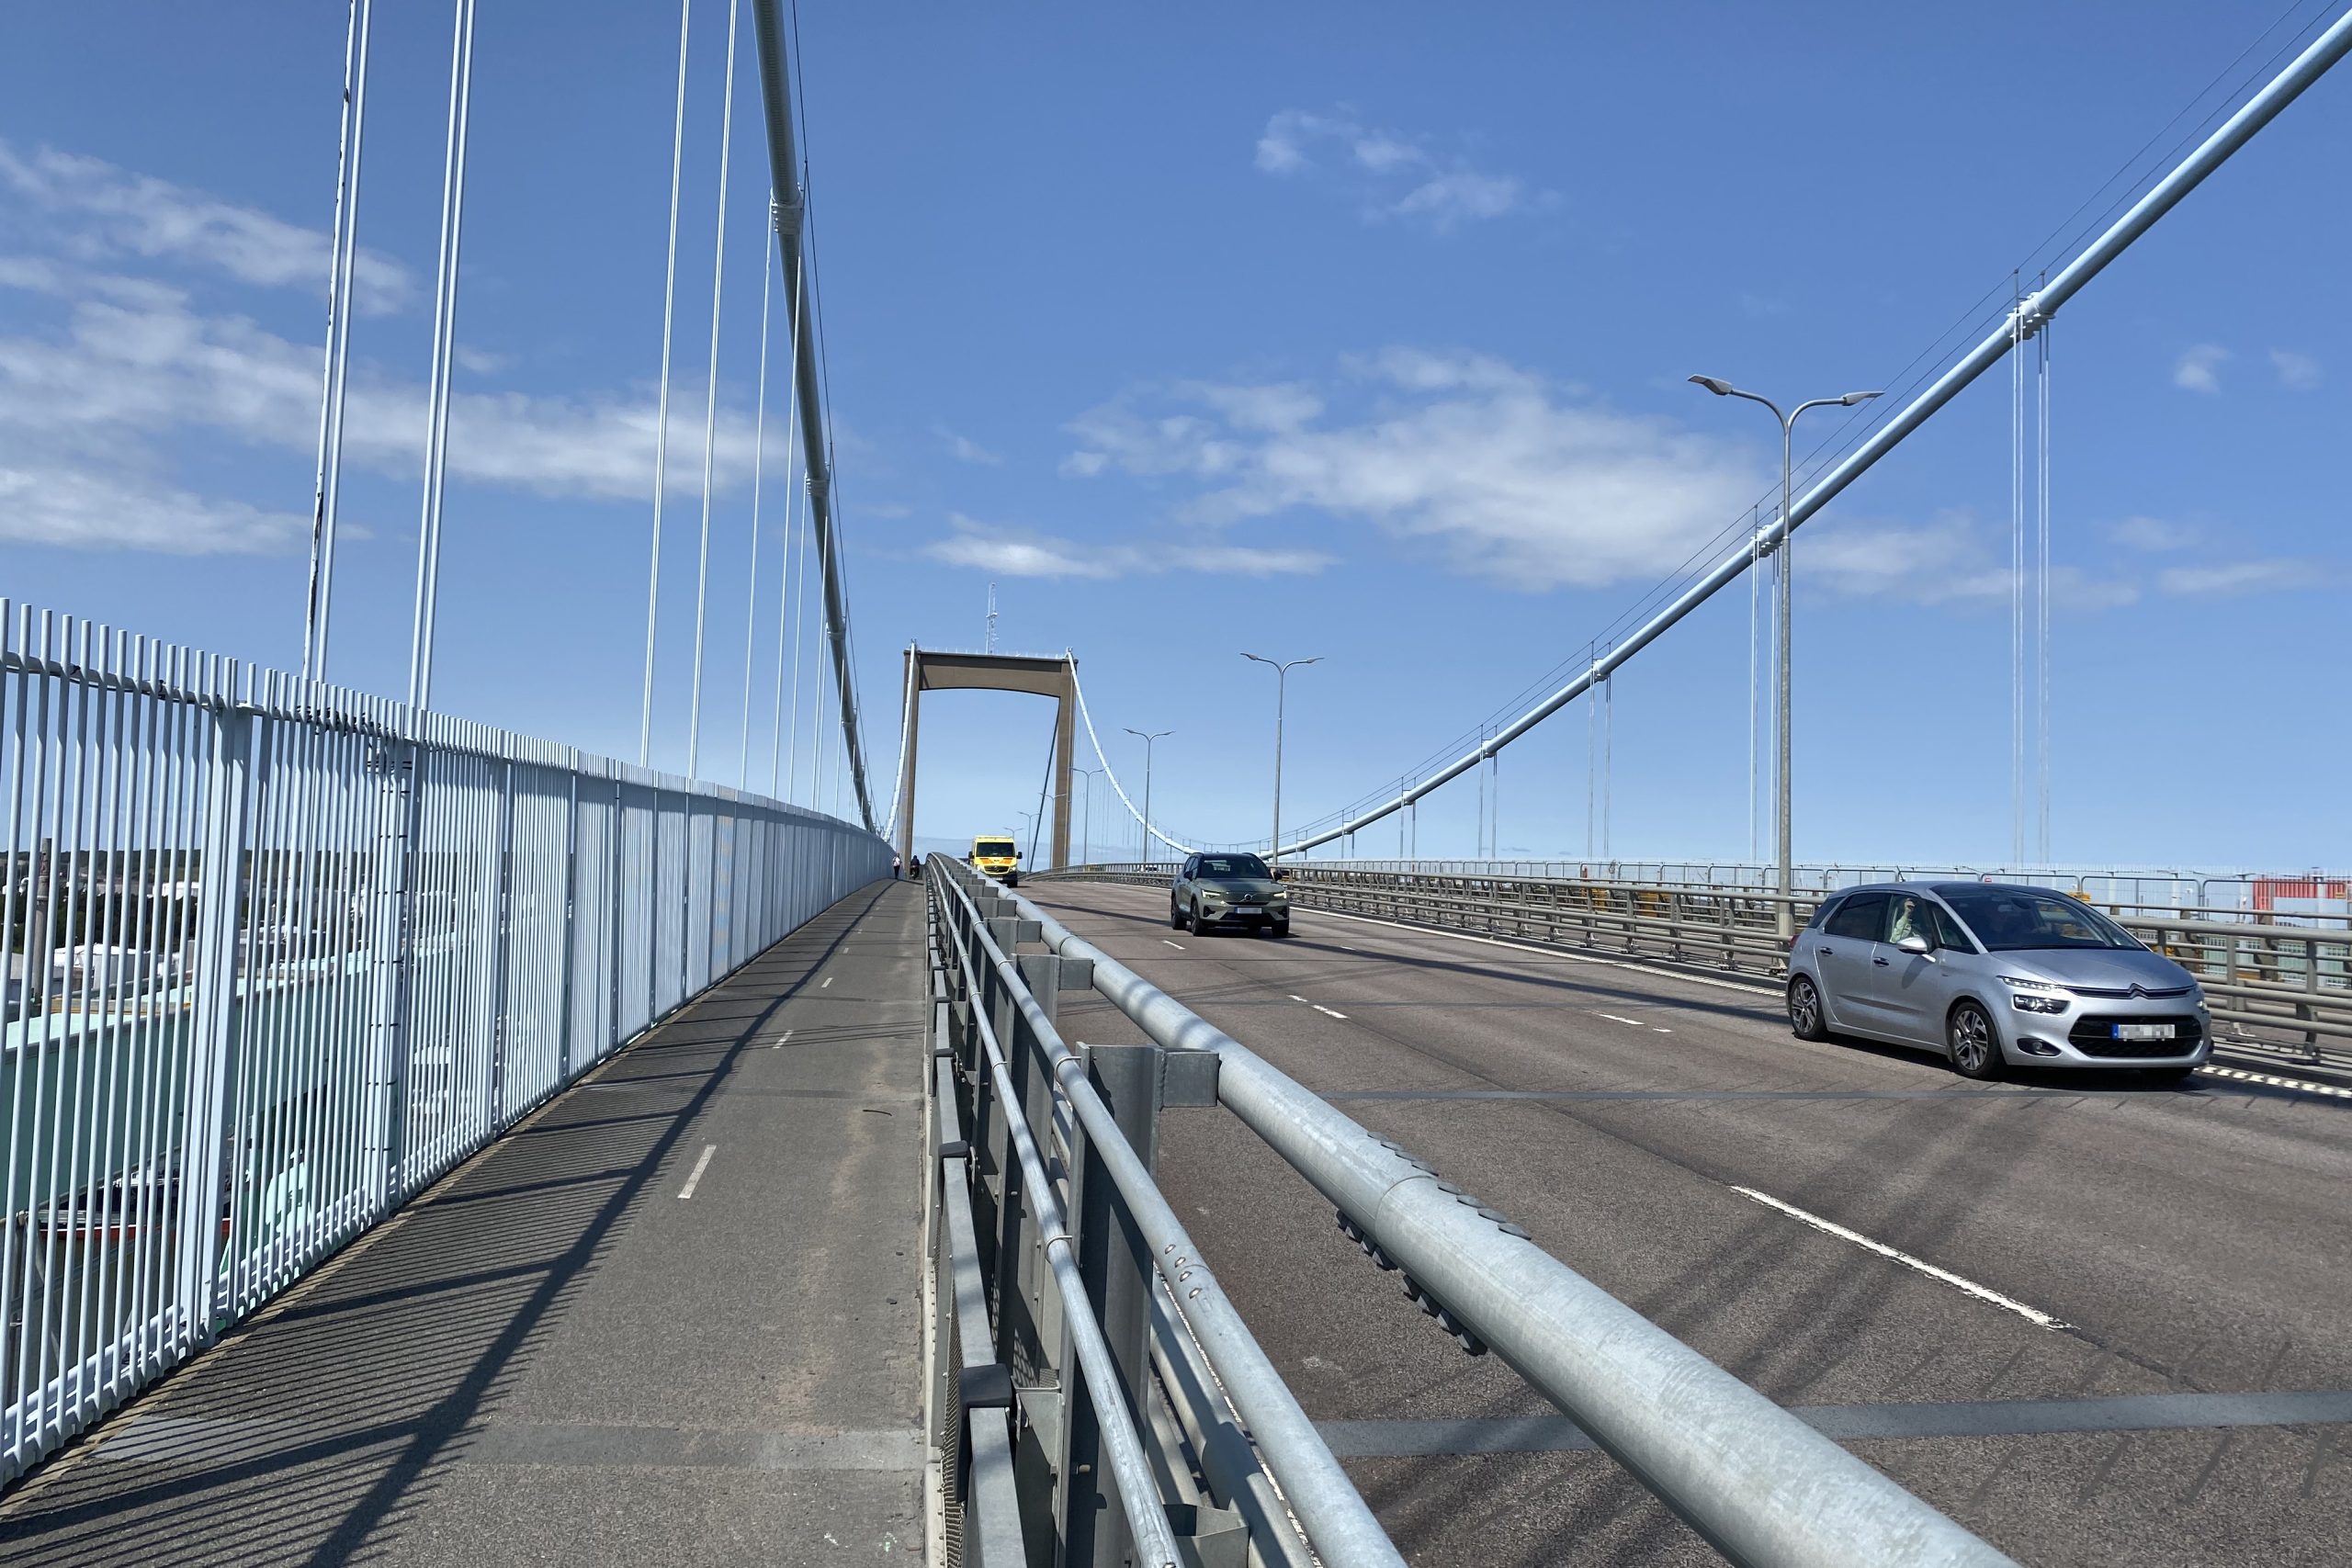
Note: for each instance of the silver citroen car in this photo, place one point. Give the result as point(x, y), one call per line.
point(1992, 973)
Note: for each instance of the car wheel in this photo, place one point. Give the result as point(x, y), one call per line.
point(1975, 1049)
point(1012, 879)
point(1280, 928)
point(2168, 1078)
point(1175, 915)
point(1804, 1010)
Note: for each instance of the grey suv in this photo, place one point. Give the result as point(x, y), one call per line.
point(1992, 973)
point(1213, 890)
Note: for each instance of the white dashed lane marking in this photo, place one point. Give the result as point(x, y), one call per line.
point(1981, 1293)
point(1318, 1007)
point(1177, 946)
point(825, 982)
point(700, 1165)
point(1638, 1023)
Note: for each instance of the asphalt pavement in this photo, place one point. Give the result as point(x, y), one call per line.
point(2096, 1320)
point(671, 1319)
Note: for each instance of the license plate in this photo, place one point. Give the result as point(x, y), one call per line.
point(1249, 910)
point(2144, 1031)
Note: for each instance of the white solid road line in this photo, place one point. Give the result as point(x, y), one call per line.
point(2031, 1315)
point(1318, 1007)
point(700, 1165)
point(2304, 1085)
point(1177, 946)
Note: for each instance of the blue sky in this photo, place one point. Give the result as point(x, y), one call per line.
point(1355, 332)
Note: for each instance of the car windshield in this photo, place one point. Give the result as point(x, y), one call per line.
point(1231, 865)
point(2007, 919)
point(993, 848)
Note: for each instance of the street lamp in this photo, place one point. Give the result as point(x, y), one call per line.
point(1147, 739)
point(1784, 922)
point(1281, 678)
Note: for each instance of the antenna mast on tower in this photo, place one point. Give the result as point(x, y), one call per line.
point(990, 646)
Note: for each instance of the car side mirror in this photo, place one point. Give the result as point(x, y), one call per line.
point(1917, 946)
point(1282, 874)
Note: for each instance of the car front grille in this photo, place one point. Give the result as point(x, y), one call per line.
point(2094, 1035)
point(2102, 994)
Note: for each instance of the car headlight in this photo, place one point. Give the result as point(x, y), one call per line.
point(1212, 894)
point(2036, 995)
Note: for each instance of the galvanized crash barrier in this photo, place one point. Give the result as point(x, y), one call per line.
point(280, 954)
point(1762, 1486)
point(2279, 987)
point(1099, 1398)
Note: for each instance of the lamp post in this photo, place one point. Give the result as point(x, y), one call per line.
point(1147, 739)
point(1784, 922)
point(1282, 679)
point(1086, 814)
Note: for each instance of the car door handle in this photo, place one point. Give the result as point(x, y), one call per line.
point(1826, 952)
point(1879, 962)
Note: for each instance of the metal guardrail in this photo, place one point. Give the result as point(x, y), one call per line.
point(1094, 1385)
point(2279, 986)
point(1759, 1484)
point(280, 954)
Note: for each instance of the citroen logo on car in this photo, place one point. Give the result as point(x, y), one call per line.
point(2138, 995)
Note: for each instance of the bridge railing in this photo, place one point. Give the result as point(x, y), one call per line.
point(1757, 1483)
point(2279, 985)
point(279, 954)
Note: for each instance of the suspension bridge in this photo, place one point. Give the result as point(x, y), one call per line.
point(429, 1143)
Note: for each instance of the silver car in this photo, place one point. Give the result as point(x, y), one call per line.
point(1213, 890)
point(1992, 973)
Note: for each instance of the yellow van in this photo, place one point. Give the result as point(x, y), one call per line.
point(995, 854)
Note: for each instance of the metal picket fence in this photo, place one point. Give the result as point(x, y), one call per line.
point(281, 954)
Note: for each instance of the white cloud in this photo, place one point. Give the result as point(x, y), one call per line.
point(92, 509)
point(1949, 559)
point(1393, 174)
point(1018, 552)
point(2150, 534)
point(2230, 579)
point(964, 449)
point(2195, 372)
point(94, 209)
point(2300, 371)
point(119, 371)
point(1505, 475)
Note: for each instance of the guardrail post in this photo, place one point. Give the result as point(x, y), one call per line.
point(1116, 1265)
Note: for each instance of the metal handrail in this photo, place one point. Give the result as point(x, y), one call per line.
point(1338, 1523)
point(1759, 1484)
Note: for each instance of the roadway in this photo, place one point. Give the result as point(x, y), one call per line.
point(2114, 1262)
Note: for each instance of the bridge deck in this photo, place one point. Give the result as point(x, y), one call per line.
point(2192, 1403)
point(558, 1354)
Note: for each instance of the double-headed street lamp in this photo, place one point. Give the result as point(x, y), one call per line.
point(1281, 678)
point(1785, 922)
point(1147, 739)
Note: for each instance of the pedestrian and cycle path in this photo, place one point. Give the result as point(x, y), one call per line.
point(672, 1318)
